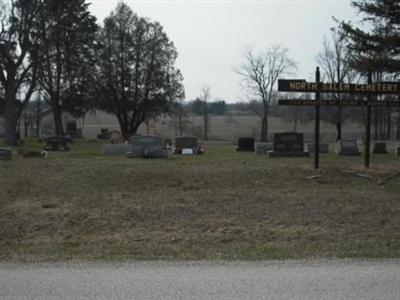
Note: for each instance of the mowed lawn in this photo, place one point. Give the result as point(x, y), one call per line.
point(228, 205)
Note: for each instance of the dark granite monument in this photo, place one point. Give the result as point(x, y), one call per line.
point(56, 143)
point(5, 154)
point(103, 134)
point(288, 144)
point(246, 144)
point(73, 131)
point(380, 148)
point(348, 147)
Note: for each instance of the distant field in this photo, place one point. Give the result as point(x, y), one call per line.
point(82, 205)
point(224, 128)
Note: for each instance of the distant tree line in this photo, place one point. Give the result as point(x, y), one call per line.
point(125, 67)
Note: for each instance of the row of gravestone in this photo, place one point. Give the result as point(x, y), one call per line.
point(153, 146)
point(291, 144)
point(55, 143)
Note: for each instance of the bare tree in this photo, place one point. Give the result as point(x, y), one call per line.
point(204, 96)
point(17, 53)
point(334, 60)
point(180, 118)
point(260, 72)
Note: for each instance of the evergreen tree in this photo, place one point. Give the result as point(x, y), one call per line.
point(378, 49)
point(67, 39)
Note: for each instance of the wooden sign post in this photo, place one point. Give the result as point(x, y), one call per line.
point(318, 87)
point(317, 121)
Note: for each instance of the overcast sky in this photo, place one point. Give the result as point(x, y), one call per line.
point(210, 36)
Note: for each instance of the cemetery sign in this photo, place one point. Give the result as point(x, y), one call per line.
point(370, 89)
point(302, 86)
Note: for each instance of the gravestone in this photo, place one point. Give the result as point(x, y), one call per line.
point(288, 144)
point(245, 144)
point(167, 143)
point(264, 148)
point(187, 142)
point(348, 147)
point(31, 153)
point(72, 130)
point(5, 154)
point(380, 148)
point(323, 147)
point(115, 149)
point(147, 146)
point(56, 143)
point(115, 137)
point(103, 134)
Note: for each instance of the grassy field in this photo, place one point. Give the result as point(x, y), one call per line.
point(82, 205)
point(225, 128)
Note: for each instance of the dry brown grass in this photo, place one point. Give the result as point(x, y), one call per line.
point(223, 205)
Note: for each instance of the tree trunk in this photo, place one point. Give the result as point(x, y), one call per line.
point(376, 124)
point(38, 118)
point(398, 125)
point(206, 119)
point(57, 117)
point(339, 125)
point(338, 131)
point(389, 125)
point(38, 127)
point(123, 126)
point(180, 122)
point(26, 126)
point(10, 116)
point(206, 128)
point(10, 126)
point(264, 127)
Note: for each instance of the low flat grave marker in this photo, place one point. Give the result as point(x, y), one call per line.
point(115, 149)
point(56, 143)
point(348, 147)
point(264, 148)
point(288, 144)
point(5, 153)
point(245, 144)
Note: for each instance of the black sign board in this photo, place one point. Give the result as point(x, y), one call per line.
point(307, 102)
point(302, 86)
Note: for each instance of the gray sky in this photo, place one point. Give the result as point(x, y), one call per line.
point(210, 36)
